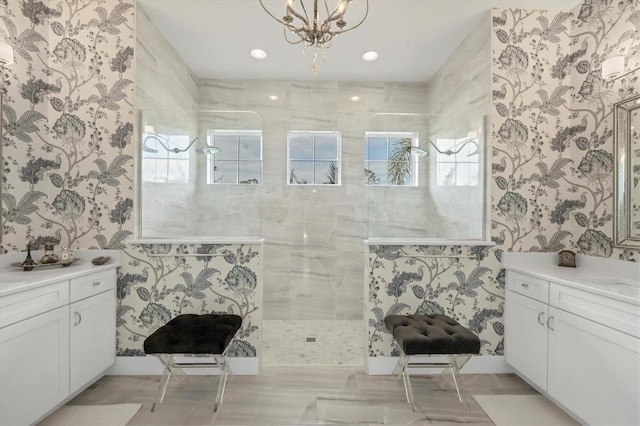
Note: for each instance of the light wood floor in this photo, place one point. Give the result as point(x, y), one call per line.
point(303, 396)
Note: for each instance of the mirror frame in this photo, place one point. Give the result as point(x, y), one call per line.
point(622, 235)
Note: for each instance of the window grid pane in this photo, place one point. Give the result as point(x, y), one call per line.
point(314, 158)
point(388, 161)
point(239, 161)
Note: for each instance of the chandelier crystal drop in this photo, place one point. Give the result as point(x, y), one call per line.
point(309, 28)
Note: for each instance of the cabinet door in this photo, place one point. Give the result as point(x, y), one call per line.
point(34, 366)
point(526, 337)
point(594, 370)
point(93, 337)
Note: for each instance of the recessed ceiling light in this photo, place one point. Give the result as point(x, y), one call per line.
point(355, 98)
point(273, 97)
point(258, 54)
point(370, 56)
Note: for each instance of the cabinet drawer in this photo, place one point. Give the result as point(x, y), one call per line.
point(89, 285)
point(612, 313)
point(526, 285)
point(19, 306)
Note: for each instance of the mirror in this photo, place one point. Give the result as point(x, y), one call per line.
point(627, 182)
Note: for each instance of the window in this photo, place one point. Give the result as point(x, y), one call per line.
point(457, 162)
point(388, 159)
point(314, 158)
point(161, 165)
point(239, 160)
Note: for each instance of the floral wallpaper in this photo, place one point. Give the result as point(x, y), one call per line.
point(161, 281)
point(67, 124)
point(463, 283)
point(553, 163)
point(552, 168)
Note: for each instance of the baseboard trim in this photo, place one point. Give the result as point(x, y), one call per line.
point(486, 364)
point(151, 366)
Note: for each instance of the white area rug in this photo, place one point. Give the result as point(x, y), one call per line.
point(107, 415)
point(508, 410)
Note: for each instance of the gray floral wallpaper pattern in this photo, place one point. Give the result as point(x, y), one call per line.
point(68, 124)
point(161, 281)
point(552, 140)
point(463, 283)
point(68, 168)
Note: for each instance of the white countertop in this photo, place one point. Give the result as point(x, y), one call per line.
point(14, 279)
point(613, 278)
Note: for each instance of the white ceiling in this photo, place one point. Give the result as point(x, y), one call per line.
point(413, 37)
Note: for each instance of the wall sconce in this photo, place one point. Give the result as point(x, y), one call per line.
point(6, 54)
point(614, 67)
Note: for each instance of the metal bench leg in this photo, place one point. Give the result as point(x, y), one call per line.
point(222, 381)
point(408, 390)
point(457, 362)
point(167, 361)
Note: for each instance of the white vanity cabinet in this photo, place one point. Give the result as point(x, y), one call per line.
point(526, 334)
point(92, 327)
point(579, 347)
point(34, 367)
point(57, 336)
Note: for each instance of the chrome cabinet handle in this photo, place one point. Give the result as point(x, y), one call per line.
point(78, 318)
point(549, 323)
point(525, 285)
point(541, 318)
point(96, 283)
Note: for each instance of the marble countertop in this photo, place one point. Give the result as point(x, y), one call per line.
point(612, 278)
point(14, 280)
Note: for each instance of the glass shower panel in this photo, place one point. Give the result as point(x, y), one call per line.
point(219, 195)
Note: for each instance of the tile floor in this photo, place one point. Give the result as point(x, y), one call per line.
point(303, 396)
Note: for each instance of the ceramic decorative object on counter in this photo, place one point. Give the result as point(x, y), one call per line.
point(28, 263)
point(100, 260)
point(49, 255)
point(567, 258)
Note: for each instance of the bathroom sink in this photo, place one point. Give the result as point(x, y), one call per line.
point(622, 287)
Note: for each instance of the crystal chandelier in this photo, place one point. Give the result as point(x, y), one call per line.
point(311, 30)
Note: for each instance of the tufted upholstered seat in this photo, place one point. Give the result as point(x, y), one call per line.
point(428, 335)
point(431, 334)
point(194, 334)
point(206, 336)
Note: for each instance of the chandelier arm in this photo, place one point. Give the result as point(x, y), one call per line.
point(305, 18)
point(336, 14)
point(284, 33)
point(366, 13)
point(291, 27)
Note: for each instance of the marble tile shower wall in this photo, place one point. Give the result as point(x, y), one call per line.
point(314, 252)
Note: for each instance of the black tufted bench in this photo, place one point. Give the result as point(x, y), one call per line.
point(191, 335)
point(431, 335)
